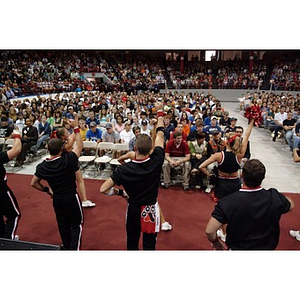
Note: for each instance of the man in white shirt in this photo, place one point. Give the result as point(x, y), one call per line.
point(20, 122)
point(126, 134)
point(279, 118)
point(145, 128)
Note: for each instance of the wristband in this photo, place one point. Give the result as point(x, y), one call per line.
point(46, 189)
point(162, 129)
point(120, 192)
point(111, 192)
point(76, 130)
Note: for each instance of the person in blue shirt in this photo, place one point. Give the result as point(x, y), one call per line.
point(70, 113)
point(91, 119)
point(213, 125)
point(94, 133)
point(44, 133)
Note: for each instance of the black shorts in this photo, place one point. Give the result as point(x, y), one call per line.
point(225, 187)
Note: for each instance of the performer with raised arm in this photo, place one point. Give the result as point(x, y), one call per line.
point(141, 179)
point(60, 173)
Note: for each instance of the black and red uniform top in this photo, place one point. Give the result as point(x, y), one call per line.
point(141, 178)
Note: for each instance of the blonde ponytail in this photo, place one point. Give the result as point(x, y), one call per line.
point(234, 142)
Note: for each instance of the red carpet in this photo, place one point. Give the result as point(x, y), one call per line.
point(104, 225)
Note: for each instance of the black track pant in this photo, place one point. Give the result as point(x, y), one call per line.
point(9, 214)
point(133, 228)
point(69, 218)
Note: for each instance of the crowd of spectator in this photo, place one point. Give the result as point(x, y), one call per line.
point(30, 72)
point(113, 112)
point(280, 115)
point(42, 72)
point(286, 75)
point(196, 75)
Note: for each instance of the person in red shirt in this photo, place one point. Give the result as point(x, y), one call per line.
point(179, 128)
point(177, 154)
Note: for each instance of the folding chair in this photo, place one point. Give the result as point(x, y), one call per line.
point(107, 156)
point(85, 160)
point(119, 147)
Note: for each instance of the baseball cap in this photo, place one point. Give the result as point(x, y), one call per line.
point(144, 122)
point(214, 117)
point(215, 131)
point(108, 125)
point(233, 119)
point(93, 124)
point(70, 107)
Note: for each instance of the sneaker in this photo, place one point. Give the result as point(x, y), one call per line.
point(16, 238)
point(166, 226)
point(208, 190)
point(186, 188)
point(198, 187)
point(166, 185)
point(221, 235)
point(88, 203)
point(295, 234)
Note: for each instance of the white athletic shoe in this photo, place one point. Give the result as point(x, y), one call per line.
point(208, 190)
point(221, 235)
point(88, 203)
point(166, 226)
point(295, 234)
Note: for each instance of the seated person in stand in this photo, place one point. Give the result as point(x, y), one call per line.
point(29, 139)
point(198, 149)
point(213, 126)
point(93, 134)
point(288, 125)
point(177, 154)
point(44, 133)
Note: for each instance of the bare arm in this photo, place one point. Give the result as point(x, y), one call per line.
point(291, 201)
point(108, 189)
point(186, 158)
point(17, 146)
point(211, 159)
point(78, 139)
point(106, 186)
point(159, 140)
point(36, 183)
point(246, 139)
point(70, 143)
point(128, 155)
point(168, 158)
